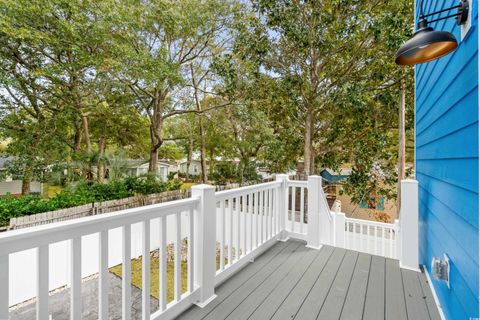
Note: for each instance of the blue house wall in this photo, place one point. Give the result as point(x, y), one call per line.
point(447, 167)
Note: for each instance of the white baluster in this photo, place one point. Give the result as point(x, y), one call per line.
point(103, 276)
point(251, 213)
point(146, 270)
point(222, 234)
point(270, 197)
point(237, 218)
point(244, 214)
point(262, 213)
point(302, 208)
point(230, 236)
point(257, 217)
point(4, 279)
point(178, 257)
point(162, 264)
point(191, 244)
point(42, 282)
point(293, 209)
point(76, 278)
point(383, 241)
point(126, 273)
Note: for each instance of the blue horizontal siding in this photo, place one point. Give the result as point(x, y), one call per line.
point(460, 201)
point(447, 167)
point(457, 141)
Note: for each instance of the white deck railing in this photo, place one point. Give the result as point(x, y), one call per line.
point(371, 237)
point(224, 231)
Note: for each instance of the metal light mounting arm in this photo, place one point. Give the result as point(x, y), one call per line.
point(427, 44)
point(461, 15)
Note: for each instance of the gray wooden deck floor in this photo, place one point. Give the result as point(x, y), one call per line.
point(290, 281)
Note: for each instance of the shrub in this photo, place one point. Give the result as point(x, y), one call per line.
point(82, 193)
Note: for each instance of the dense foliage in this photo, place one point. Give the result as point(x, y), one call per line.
point(81, 194)
point(261, 81)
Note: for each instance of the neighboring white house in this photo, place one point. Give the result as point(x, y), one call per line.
point(195, 167)
point(8, 186)
point(139, 167)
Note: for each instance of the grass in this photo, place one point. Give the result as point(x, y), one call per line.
point(51, 191)
point(137, 276)
point(187, 185)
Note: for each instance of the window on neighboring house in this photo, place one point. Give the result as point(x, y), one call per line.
point(372, 204)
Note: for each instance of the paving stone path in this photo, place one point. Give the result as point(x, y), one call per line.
point(60, 302)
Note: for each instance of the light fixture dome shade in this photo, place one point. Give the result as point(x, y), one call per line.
point(426, 45)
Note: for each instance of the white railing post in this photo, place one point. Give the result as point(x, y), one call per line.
point(339, 225)
point(205, 243)
point(409, 225)
point(282, 204)
point(314, 220)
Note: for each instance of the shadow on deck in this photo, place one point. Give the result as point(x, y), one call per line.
point(290, 281)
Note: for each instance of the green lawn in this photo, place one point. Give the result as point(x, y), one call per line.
point(137, 276)
point(187, 185)
point(51, 191)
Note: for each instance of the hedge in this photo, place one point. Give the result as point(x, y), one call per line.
point(81, 194)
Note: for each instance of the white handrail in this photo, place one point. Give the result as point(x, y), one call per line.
point(22, 239)
point(223, 195)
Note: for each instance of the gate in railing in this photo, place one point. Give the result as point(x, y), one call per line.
point(223, 231)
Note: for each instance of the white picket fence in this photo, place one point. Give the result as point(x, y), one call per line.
point(243, 222)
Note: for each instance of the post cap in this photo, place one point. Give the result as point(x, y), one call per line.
point(203, 187)
point(412, 181)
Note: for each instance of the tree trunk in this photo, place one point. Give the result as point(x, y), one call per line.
point(203, 161)
point(101, 160)
point(27, 177)
point(189, 158)
point(307, 149)
point(86, 133)
point(312, 161)
point(155, 144)
point(77, 139)
point(156, 126)
point(401, 142)
point(152, 163)
point(241, 170)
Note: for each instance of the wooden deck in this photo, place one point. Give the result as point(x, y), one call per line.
point(290, 281)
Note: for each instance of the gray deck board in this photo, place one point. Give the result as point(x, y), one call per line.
point(375, 298)
point(292, 303)
point(314, 301)
point(414, 297)
point(429, 299)
point(333, 305)
point(292, 286)
point(248, 306)
point(229, 304)
point(224, 290)
point(290, 281)
point(395, 306)
point(355, 301)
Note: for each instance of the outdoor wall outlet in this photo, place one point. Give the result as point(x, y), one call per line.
point(441, 269)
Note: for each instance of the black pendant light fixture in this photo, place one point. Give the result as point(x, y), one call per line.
point(428, 44)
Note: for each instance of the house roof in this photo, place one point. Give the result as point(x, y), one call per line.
point(136, 163)
point(332, 176)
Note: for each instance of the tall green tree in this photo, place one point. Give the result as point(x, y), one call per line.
point(155, 47)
